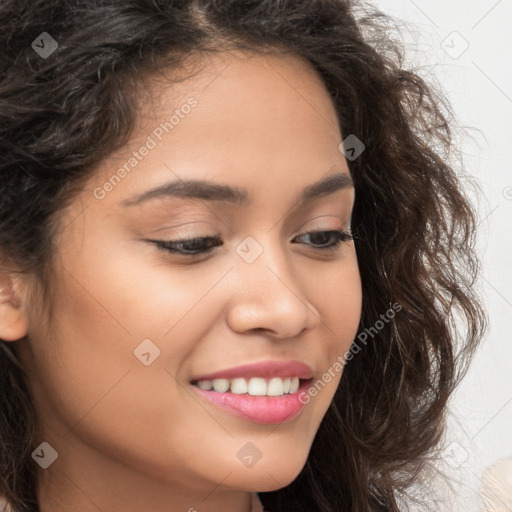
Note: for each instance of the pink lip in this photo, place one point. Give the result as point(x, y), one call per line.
point(260, 409)
point(264, 369)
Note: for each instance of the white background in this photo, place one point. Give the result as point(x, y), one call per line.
point(478, 84)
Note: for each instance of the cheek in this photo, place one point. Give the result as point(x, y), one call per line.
point(93, 385)
point(336, 293)
point(99, 320)
point(345, 317)
point(338, 296)
point(106, 305)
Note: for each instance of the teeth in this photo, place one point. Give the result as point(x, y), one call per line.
point(294, 384)
point(205, 384)
point(255, 386)
point(275, 387)
point(238, 386)
point(220, 385)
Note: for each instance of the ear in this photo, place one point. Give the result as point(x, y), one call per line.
point(13, 318)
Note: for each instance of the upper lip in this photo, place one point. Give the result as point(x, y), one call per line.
point(264, 369)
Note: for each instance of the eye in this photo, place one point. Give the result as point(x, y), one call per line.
point(319, 238)
point(204, 245)
point(189, 246)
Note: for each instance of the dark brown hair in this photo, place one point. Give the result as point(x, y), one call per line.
point(414, 227)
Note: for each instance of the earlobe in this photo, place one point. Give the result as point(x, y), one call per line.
point(13, 320)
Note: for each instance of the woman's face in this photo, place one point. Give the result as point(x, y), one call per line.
point(135, 326)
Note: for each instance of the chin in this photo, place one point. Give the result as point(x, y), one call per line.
point(267, 477)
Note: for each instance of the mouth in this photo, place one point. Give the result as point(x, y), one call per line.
point(269, 392)
point(258, 408)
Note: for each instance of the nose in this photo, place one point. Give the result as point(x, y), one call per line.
point(269, 297)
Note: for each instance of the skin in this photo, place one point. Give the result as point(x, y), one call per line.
point(133, 437)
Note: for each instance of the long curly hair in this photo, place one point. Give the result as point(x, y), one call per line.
point(413, 224)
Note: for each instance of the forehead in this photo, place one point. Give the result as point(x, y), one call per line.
point(243, 118)
point(234, 77)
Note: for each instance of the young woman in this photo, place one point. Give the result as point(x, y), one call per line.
point(232, 251)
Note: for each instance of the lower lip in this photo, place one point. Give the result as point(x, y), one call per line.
point(259, 409)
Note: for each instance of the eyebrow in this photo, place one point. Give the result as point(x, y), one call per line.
point(210, 191)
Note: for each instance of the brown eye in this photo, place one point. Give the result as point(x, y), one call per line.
point(321, 238)
point(189, 247)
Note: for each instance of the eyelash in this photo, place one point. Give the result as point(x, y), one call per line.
point(343, 236)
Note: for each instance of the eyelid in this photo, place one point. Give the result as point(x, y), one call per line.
point(340, 220)
point(181, 225)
